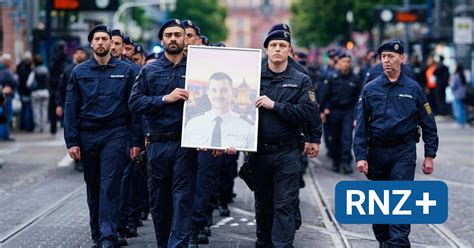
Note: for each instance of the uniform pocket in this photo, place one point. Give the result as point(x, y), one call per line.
point(377, 104)
point(88, 86)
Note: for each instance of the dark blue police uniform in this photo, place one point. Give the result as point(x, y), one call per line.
point(278, 154)
point(171, 169)
point(98, 120)
point(340, 96)
point(387, 119)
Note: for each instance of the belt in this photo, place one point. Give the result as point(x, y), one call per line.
point(163, 137)
point(392, 143)
point(102, 126)
point(276, 146)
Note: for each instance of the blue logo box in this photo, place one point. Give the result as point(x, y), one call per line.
point(391, 202)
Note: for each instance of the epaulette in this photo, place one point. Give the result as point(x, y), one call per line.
point(245, 118)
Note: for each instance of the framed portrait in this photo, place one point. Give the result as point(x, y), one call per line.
point(224, 84)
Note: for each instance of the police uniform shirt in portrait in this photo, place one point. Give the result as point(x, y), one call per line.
point(235, 131)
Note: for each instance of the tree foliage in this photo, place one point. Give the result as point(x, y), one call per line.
point(209, 15)
point(320, 22)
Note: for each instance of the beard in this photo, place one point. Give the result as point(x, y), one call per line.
point(176, 50)
point(101, 54)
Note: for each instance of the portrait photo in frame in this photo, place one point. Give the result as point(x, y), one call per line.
point(224, 84)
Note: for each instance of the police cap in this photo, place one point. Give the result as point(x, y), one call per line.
point(218, 44)
point(277, 35)
point(281, 26)
point(191, 24)
point(395, 46)
point(127, 40)
point(98, 28)
point(342, 54)
point(117, 32)
point(205, 40)
point(138, 49)
point(170, 23)
point(152, 55)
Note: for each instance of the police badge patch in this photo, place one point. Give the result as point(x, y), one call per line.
point(428, 108)
point(312, 95)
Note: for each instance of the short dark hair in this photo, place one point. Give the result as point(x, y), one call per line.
point(221, 76)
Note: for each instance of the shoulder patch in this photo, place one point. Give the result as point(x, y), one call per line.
point(312, 95)
point(428, 108)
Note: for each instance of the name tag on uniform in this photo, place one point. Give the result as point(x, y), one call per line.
point(117, 76)
point(405, 95)
point(352, 84)
point(183, 76)
point(289, 86)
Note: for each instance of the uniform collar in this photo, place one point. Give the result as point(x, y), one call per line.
point(267, 73)
point(212, 115)
point(399, 81)
point(112, 62)
point(165, 62)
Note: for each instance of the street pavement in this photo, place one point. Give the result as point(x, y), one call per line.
point(43, 200)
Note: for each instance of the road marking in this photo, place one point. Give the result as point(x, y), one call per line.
point(66, 161)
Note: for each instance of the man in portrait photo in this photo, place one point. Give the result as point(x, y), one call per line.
point(220, 127)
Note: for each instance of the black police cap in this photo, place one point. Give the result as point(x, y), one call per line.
point(277, 35)
point(127, 40)
point(395, 46)
point(78, 48)
point(191, 24)
point(152, 55)
point(98, 28)
point(342, 54)
point(170, 23)
point(117, 32)
point(218, 44)
point(281, 26)
point(138, 49)
point(205, 40)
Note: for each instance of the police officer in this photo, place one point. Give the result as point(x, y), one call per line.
point(79, 55)
point(128, 47)
point(286, 101)
point(193, 33)
point(97, 123)
point(125, 229)
point(159, 94)
point(138, 56)
point(388, 114)
point(340, 95)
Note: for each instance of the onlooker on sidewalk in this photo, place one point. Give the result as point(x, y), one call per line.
point(441, 74)
point(9, 84)
point(59, 61)
point(23, 70)
point(38, 84)
point(458, 89)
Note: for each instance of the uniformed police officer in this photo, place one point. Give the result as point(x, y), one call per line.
point(340, 95)
point(286, 101)
point(97, 124)
point(388, 114)
point(138, 56)
point(128, 47)
point(193, 33)
point(159, 94)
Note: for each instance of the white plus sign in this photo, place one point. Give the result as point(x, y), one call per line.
point(426, 203)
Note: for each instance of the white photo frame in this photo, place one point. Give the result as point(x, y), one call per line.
point(224, 83)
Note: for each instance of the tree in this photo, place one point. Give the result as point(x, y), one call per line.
point(209, 15)
point(320, 22)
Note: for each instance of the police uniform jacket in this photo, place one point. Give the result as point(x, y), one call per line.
point(389, 111)
point(295, 103)
point(96, 98)
point(341, 91)
point(154, 81)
